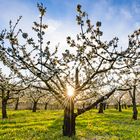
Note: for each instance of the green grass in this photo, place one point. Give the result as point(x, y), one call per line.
point(47, 125)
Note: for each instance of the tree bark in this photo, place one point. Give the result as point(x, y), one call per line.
point(135, 111)
point(34, 106)
point(107, 106)
point(106, 96)
point(17, 103)
point(116, 106)
point(69, 119)
point(96, 106)
point(120, 108)
point(101, 108)
point(46, 105)
point(4, 111)
point(125, 106)
point(104, 105)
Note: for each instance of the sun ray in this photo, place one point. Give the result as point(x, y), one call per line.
point(70, 91)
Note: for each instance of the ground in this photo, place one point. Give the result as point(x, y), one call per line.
point(47, 125)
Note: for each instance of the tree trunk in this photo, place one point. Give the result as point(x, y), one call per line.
point(46, 105)
point(96, 106)
point(120, 108)
point(104, 106)
point(4, 111)
point(116, 106)
point(16, 105)
point(135, 111)
point(69, 119)
point(34, 106)
point(101, 108)
point(107, 106)
point(125, 106)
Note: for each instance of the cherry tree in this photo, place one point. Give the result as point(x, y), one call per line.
point(9, 89)
point(134, 84)
point(17, 98)
point(35, 94)
point(131, 73)
point(45, 100)
point(119, 99)
point(68, 78)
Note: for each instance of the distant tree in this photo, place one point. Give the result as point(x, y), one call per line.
point(45, 100)
point(17, 99)
point(35, 94)
point(131, 73)
point(134, 84)
point(79, 70)
point(119, 101)
point(9, 88)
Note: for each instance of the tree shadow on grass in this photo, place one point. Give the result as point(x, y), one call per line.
point(107, 126)
point(88, 127)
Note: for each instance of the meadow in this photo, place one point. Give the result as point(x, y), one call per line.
point(47, 125)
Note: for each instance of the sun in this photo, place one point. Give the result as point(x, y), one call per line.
point(70, 91)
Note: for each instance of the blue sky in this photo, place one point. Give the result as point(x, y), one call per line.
point(118, 17)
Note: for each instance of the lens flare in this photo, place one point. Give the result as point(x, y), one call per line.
point(70, 91)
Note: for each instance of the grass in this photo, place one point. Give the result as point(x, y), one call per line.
point(47, 125)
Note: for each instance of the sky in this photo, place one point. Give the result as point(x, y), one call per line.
point(119, 17)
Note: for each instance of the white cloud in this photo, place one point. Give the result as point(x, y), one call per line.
point(53, 25)
point(116, 21)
